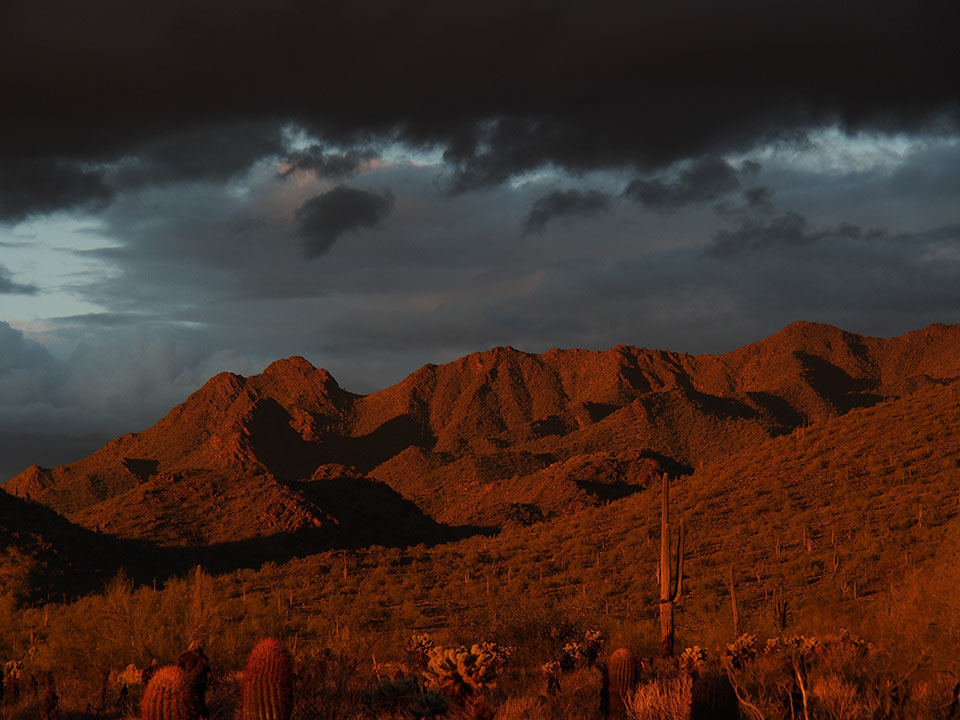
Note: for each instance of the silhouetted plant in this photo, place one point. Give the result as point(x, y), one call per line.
point(196, 667)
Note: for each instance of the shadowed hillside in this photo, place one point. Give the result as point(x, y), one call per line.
point(492, 438)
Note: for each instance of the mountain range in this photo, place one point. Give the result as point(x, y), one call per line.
point(288, 463)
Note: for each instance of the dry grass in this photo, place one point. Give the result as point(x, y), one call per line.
point(662, 699)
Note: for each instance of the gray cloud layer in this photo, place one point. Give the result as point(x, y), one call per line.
point(709, 178)
point(9, 287)
point(324, 218)
point(561, 203)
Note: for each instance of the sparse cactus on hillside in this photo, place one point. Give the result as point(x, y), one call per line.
point(168, 696)
point(267, 692)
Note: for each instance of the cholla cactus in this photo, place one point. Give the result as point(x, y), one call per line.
point(551, 676)
point(168, 696)
point(267, 691)
point(11, 680)
point(130, 675)
point(418, 648)
point(803, 643)
point(742, 650)
point(582, 653)
point(458, 672)
point(693, 659)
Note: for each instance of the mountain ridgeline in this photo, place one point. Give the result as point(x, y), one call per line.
point(495, 438)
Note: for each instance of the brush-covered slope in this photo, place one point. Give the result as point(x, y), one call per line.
point(843, 517)
point(494, 437)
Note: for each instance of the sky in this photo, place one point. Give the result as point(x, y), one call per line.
point(193, 187)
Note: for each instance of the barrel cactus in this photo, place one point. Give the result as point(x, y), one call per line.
point(621, 677)
point(713, 698)
point(168, 696)
point(267, 692)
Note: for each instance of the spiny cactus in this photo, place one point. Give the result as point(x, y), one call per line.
point(458, 672)
point(267, 692)
point(11, 682)
point(670, 588)
point(620, 678)
point(693, 659)
point(713, 698)
point(168, 696)
point(418, 649)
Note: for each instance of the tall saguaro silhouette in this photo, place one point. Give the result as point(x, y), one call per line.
point(670, 588)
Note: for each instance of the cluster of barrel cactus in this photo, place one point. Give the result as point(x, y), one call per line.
point(176, 692)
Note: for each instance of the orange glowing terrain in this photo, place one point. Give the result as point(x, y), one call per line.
point(515, 499)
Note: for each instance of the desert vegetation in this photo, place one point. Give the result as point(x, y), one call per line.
point(815, 577)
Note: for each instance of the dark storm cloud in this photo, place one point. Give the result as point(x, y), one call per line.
point(37, 185)
point(324, 218)
point(706, 179)
point(758, 199)
point(325, 164)
point(9, 287)
point(561, 203)
point(499, 88)
point(212, 151)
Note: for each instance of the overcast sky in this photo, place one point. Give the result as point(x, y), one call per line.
point(194, 187)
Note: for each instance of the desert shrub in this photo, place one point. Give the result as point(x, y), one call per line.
point(837, 699)
point(662, 699)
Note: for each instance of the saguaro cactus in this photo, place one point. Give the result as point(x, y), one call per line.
point(267, 692)
point(168, 696)
point(670, 588)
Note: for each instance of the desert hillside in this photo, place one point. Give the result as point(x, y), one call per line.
point(509, 497)
point(494, 438)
